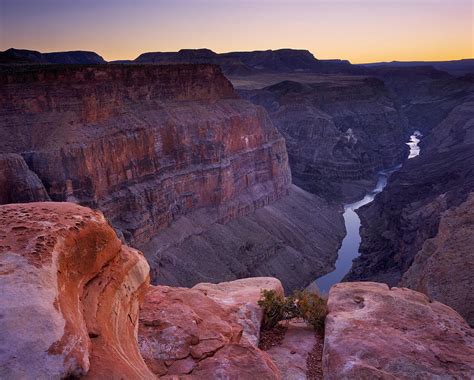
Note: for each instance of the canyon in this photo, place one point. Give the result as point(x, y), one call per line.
point(183, 168)
point(339, 131)
point(402, 227)
point(213, 183)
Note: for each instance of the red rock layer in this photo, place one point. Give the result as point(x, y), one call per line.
point(144, 144)
point(70, 295)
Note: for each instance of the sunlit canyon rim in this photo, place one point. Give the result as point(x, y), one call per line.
point(153, 200)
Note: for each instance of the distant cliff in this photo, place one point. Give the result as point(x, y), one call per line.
point(339, 131)
point(253, 62)
point(63, 57)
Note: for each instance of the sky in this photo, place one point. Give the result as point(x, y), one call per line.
point(358, 30)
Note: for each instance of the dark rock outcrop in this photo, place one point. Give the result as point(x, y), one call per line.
point(18, 183)
point(339, 131)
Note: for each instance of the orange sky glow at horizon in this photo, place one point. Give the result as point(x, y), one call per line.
point(358, 30)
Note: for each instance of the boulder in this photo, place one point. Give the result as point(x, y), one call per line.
point(196, 331)
point(241, 298)
point(373, 331)
point(70, 295)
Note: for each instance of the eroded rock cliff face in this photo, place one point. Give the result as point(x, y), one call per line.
point(143, 144)
point(171, 156)
point(444, 267)
point(70, 295)
point(339, 131)
point(376, 332)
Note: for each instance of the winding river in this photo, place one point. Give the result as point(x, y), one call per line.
point(350, 245)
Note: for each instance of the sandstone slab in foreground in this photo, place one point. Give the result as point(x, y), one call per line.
point(209, 331)
point(373, 332)
point(70, 295)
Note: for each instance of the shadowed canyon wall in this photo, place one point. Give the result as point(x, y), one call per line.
point(417, 232)
point(339, 131)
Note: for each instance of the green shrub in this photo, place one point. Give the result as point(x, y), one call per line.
point(273, 306)
point(313, 309)
point(308, 306)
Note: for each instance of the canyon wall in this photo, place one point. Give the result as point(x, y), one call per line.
point(143, 144)
point(339, 131)
point(294, 239)
point(171, 155)
point(410, 225)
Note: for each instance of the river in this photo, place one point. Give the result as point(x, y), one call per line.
point(350, 245)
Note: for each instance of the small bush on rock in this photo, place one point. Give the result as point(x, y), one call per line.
point(312, 308)
point(309, 306)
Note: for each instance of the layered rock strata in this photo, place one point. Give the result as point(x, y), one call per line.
point(376, 332)
point(70, 295)
point(143, 144)
point(339, 131)
point(171, 156)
